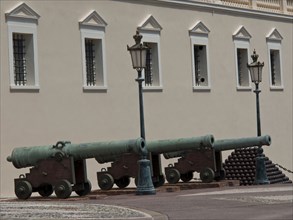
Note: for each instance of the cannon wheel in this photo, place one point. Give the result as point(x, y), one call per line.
point(222, 175)
point(173, 176)
point(45, 189)
point(160, 182)
point(207, 175)
point(87, 189)
point(23, 189)
point(186, 177)
point(106, 181)
point(63, 189)
point(122, 182)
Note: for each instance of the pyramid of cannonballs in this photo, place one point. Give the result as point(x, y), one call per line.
point(240, 165)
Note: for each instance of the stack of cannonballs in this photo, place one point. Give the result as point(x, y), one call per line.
point(240, 165)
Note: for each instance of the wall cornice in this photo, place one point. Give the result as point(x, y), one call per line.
point(192, 4)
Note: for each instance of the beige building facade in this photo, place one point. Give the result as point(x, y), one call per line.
point(199, 83)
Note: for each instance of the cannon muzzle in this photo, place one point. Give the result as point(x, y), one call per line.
point(229, 144)
point(29, 156)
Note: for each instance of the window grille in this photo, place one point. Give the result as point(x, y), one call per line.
point(19, 59)
point(273, 68)
point(148, 69)
point(239, 62)
point(90, 62)
point(199, 79)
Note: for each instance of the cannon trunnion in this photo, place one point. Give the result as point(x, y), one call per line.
point(207, 161)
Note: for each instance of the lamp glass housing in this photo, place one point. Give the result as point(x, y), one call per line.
point(138, 56)
point(255, 70)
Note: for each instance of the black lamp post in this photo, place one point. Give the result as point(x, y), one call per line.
point(255, 69)
point(138, 56)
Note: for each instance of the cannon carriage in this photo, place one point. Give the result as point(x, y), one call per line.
point(207, 161)
point(61, 168)
point(124, 166)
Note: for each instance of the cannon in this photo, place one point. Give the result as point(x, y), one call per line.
point(124, 166)
point(207, 161)
point(62, 167)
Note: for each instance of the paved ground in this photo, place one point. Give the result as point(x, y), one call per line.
point(269, 202)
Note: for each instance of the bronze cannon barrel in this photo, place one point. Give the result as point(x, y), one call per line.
point(170, 145)
point(229, 144)
point(28, 156)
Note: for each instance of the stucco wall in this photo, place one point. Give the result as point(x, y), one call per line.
point(61, 110)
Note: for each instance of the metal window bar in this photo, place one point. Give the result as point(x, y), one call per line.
point(19, 59)
point(90, 62)
point(273, 68)
point(239, 61)
point(148, 69)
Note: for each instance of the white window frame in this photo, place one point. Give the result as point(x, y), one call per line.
point(199, 36)
point(274, 40)
point(242, 45)
point(242, 41)
point(95, 31)
point(150, 30)
point(154, 38)
point(23, 24)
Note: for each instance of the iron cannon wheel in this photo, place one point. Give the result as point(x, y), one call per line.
point(222, 175)
point(106, 181)
point(186, 177)
point(122, 182)
point(173, 176)
point(207, 175)
point(23, 189)
point(160, 182)
point(87, 189)
point(63, 189)
point(45, 189)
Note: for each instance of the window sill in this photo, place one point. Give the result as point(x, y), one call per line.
point(24, 88)
point(95, 88)
point(244, 88)
point(152, 88)
point(276, 88)
point(201, 88)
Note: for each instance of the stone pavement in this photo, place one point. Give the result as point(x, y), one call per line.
point(266, 202)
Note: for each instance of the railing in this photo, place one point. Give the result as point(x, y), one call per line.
point(277, 6)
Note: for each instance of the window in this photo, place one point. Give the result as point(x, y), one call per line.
point(241, 42)
point(150, 30)
point(92, 30)
point(200, 56)
point(275, 67)
point(275, 60)
point(23, 58)
point(200, 65)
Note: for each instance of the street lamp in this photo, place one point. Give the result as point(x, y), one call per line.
point(255, 69)
point(138, 56)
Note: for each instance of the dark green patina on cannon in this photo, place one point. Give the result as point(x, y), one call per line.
point(125, 166)
point(62, 167)
point(207, 161)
